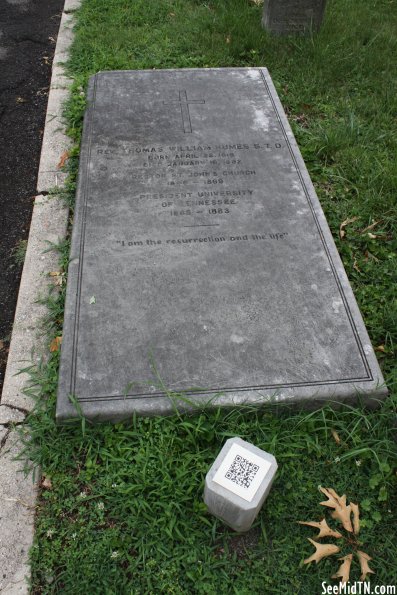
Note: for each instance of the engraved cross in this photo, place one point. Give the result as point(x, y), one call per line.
point(183, 103)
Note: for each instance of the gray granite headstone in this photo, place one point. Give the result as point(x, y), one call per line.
point(199, 246)
point(285, 17)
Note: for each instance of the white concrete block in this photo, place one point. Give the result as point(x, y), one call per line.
point(238, 483)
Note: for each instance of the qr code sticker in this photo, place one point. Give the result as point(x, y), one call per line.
point(242, 471)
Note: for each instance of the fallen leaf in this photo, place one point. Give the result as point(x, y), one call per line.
point(365, 569)
point(228, 39)
point(302, 119)
point(63, 159)
point(372, 236)
point(343, 516)
point(356, 267)
point(322, 551)
point(20, 100)
point(381, 348)
point(325, 530)
point(344, 569)
point(92, 299)
point(46, 483)
point(58, 277)
point(1, 345)
point(374, 224)
point(335, 436)
point(342, 226)
point(369, 255)
point(341, 512)
point(356, 518)
point(55, 344)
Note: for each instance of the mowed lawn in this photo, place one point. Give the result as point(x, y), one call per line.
point(121, 508)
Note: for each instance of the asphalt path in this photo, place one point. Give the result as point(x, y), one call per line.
point(28, 33)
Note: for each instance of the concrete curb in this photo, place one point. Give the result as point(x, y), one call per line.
point(18, 493)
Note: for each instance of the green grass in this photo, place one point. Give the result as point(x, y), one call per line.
point(137, 490)
point(125, 512)
point(19, 252)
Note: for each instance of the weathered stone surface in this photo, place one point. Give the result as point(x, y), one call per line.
point(284, 17)
point(199, 245)
point(238, 483)
point(3, 434)
point(10, 415)
point(17, 506)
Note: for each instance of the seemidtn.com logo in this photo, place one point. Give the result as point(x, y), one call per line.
point(358, 588)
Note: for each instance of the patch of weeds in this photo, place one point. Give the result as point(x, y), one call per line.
point(19, 252)
point(125, 513)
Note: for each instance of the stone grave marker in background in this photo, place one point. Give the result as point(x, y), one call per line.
point(285, 17)
point(199, 245)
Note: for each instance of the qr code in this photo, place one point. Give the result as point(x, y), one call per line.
point(242, 471)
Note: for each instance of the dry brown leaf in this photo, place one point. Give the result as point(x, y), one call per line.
point(58, 278)
point(341, 512)
point(46, 483)
point(344, 569)
point(356, 518)
point(381, 348)
point(335, 436)
point(344, 223)
point(374, 224)
point(322, 551)
point(1, 345)
point(228, 39)
point(355, 266)
point(343, 515)
point(325, 530)
point(365, 569)
point(63, 159)
point(369, 255)
point(333, 499)
point(55, 344)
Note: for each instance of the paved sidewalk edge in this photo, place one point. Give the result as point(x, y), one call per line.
point(18, 493)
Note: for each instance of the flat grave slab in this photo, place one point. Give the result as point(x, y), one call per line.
point(201, 259)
